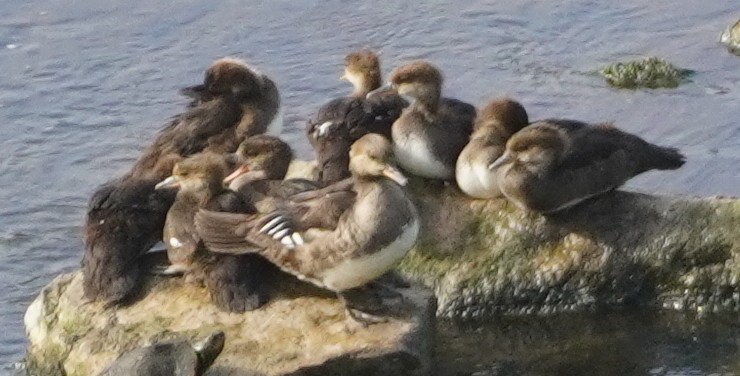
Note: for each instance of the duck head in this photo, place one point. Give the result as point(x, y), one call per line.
point(362, 70)
point(503, 114)
point(203, 171)
point(227, 77)
point(371, 157)
point(419, 80)
point(536, 148)
point(262, 157)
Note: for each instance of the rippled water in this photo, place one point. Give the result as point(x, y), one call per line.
point(85, 84)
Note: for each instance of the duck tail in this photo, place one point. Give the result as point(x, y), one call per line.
point(225, 232)
point(664, 158)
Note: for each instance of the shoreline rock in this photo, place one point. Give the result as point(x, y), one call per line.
point(484, 258)
point(301, 332)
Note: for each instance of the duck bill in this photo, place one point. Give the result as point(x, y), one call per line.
point(502, 160)
point(243, 169)
point(387, 88)
point(170, 182)
point(395, 175)
point(344, 77)
point(194, 92)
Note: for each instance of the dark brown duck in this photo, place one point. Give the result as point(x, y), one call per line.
point(236, 282)
point(125, 216)
point(343, 120)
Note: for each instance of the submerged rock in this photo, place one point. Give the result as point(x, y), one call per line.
point(488, 257)
point(650, 72)
point(731, 38)
point(301, 332)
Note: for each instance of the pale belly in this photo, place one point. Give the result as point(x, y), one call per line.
point(476, 180)
point(359, 271)
point(415, 156)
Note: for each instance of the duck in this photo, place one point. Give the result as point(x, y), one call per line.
point(494, 125)
point(262, 161)
point(125, 214)
point(432, 131)
point(124, 219)
point(233, 102)
point(553, 165)
point(373, 233)
point(343, 120)
point(236, 283)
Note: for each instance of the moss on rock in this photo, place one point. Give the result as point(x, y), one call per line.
point(650, 72)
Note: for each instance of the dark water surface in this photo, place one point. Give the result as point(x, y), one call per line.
point(85, 84)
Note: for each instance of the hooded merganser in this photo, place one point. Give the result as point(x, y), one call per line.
point(234, 101)
point(372, 235)
point(114, 243)
point(343, 120)
point(494, 125)
point(552, 165)
point(262, 162)
point(236, 283)
point(432, 131)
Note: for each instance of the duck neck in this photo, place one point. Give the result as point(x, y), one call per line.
point(428, 98)
point(366, 84)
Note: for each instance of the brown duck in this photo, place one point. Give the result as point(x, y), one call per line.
point(125, 216)
point(262, 162)
point(495, 124)
point(432, 131)
point(374, 232)
point(554, 164)
point(236, 282)
point(343, 120)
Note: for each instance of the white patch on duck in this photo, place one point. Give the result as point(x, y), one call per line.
point(359, 271)
point(476, 180)
point(276, 125)
point(413, 154)
point(175, 243)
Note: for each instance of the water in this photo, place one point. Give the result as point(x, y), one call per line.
point(85, 85)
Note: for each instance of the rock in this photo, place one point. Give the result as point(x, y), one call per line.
point(650, 72)
point(301, 332)
point(731, 38)
point(483, 258)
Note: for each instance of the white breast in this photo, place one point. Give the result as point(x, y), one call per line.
point(415, 156)
point(359, 271)
point(476, 180)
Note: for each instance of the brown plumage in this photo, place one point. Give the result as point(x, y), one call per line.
point(495, 124)
point(343, 120)
point(430, 133)
point(125, 214)
point(236, 283)
point(373, 233)
point(260, 165)
point(554, 164)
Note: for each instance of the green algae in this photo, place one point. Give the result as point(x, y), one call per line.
point(650, 72)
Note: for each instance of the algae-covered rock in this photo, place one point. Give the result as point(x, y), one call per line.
point(303, 331)
point(731, 38)
point(650, 72)
point(488, 257)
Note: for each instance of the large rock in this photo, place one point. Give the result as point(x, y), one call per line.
point(301, 332)
point(623, 248)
